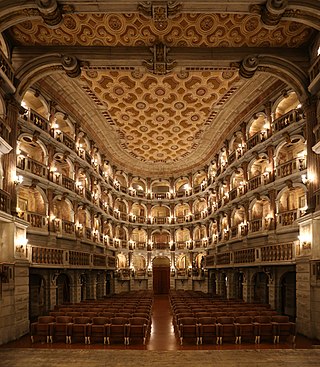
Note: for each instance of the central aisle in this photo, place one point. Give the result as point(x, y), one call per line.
point(162, 335)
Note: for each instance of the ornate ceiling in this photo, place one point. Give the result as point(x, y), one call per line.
point(160, 117)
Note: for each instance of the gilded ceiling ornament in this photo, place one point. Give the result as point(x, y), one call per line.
point(159, 11)
point(159, 64)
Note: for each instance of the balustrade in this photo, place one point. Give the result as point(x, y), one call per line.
point(223, 258)
point(290, 167)
point(30, 165)
point(280, 252)
point(287, 218)
point(4, 201)
point(79, 258)
point(4, 131)
point(35, 220)
point(6, 68)
point(42, 255)
point(99, 260)
point(254, 182)
point(286, 120)
point(244, 256)
point(256, 225)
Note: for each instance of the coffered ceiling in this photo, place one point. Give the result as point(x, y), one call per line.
point(162, 93)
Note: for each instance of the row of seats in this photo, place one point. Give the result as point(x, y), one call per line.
point(125, 316)
point(236, 328)
point(85, 329)
point(197, 316)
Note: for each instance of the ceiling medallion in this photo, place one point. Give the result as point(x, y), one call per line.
point(159, 64)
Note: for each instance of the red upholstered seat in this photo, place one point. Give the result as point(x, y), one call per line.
point(43, 327)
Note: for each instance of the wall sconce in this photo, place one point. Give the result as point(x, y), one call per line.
point(18, 180)
point(306, 179)
point(305, 241)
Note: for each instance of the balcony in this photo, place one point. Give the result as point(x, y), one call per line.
point(35, 220)
point(6, 71)
point(5, 202)
point(4, 131)
point(281, 252)
point(28, 164)
point(288, 218)
point(46, 256)
point(290, 167)
point(289, 118)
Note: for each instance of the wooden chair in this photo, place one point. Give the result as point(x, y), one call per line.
point(137, 328)
point(225, 328)
point(207, 328)
point(244, 328)
point(62, 327)
point(188, 328)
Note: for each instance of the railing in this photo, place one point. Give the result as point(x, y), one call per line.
point(254, 182)
point(35, 220)
point(256, 225)
point(38, 120)
point(79, 258)
point(6, 68)
point(42, 255)
point(209, 260)
point(290, 167)
point(161, 246)
point(30, 165)
point(286, 120)
point(4, 202)
point(99, 260)
point(4, 131)
point(223, 258)
point(244, 256)
point(279, 252)
point(255, 140)
point(287, 218)
point(63, 138)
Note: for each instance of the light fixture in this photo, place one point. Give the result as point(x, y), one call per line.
point(18, 180)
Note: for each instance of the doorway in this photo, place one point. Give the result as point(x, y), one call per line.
point(161, 275)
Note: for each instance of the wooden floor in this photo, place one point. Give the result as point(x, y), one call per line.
point(163, 338)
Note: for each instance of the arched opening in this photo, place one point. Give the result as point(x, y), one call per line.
point(161, 275)
point(261, 289)
point(36, 297)
point(63, 289)
point(239, 285)
point(288, 295)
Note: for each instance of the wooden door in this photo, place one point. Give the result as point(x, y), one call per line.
point(161, 279)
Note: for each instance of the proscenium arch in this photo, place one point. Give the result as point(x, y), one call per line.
point(44, 65)
point(285, 70)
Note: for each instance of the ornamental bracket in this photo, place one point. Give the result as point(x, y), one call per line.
point(159, 64)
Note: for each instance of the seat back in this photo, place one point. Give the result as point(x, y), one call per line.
point(225, 320)
point(100, 320)
point(63, 319)
point(82, 320)
point(45, 319)
point(280, 319)
point(262, 319)
point(243, 319)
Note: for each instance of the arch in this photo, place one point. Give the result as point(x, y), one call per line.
point(63, 123)
point(288, 101)
point(285, 70)
point(27, 146)
point(35, 69)
point(62, 208)
point(34, 100)
point(256, 124)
